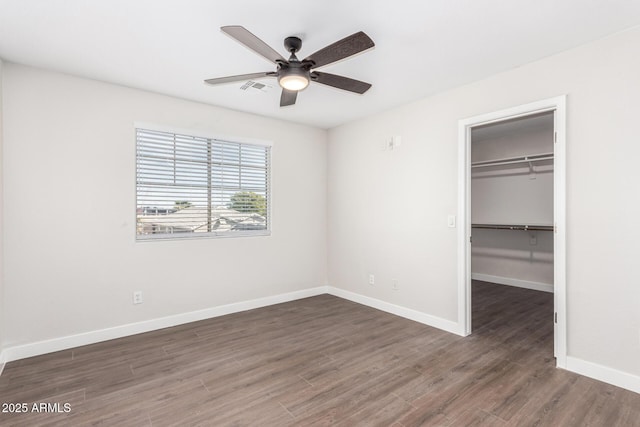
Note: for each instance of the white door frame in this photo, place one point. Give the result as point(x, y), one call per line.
point(558, 105)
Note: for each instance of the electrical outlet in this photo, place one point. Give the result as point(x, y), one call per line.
point(394, 284)
point(372, 279)
point(137, 297)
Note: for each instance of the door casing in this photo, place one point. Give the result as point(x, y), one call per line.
point(558, 106)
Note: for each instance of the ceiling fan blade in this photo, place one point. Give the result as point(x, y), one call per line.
point(355, 43)
point(288, 97)
point(248, 39)
point(231, 79)
point(340, 82)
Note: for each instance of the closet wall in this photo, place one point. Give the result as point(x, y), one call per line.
point(509, 191)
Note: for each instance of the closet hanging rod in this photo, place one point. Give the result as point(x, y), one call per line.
point(514, 227)
point(514, 160)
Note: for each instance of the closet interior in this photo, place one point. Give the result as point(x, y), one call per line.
point(512, 202)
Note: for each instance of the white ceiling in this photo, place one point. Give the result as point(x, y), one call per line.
point(422, 47)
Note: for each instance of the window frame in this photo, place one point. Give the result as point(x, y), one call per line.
point(206, 135)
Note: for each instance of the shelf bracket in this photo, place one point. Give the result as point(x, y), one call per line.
point(532, 171)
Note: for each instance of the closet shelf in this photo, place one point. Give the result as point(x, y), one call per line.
point(514, 160)
point(514, 227)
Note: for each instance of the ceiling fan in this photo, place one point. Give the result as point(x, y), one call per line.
point(294, 75)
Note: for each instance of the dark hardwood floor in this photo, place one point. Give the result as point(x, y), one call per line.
point(324, 360)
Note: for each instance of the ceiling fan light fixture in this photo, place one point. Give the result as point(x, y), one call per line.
point(294, 79)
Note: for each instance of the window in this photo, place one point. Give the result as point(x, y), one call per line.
point(190, 186)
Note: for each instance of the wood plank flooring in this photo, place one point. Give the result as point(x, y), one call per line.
point(320, 361)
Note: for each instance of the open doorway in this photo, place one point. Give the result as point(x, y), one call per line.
point(512, 210)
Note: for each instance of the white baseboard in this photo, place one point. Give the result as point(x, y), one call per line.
point(536, 286)
point(408, 313)
point(603, 373)
point(71, 341)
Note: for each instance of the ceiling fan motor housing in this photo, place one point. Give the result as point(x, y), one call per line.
point(293, 74)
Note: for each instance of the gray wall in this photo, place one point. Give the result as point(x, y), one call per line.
point(388, 209)
point(72, 261)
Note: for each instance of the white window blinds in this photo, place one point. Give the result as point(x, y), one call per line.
point(189, 186)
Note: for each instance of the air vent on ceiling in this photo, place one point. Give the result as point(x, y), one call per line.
point(256, 85)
